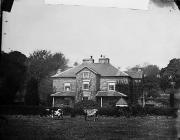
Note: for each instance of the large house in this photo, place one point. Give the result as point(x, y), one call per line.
point(89, 81)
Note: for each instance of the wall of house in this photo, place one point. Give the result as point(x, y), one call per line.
point(58, 84)
point(104, 81)
point(94, 84)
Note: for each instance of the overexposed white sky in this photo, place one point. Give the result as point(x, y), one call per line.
point(128, 37)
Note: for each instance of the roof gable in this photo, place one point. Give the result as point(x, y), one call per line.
point(87, 68)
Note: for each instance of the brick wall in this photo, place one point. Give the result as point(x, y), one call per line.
point(94, 84)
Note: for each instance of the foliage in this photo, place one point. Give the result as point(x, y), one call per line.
point(32, 97)
point(75, 64)
point(164, 83)
point(126, 88)
point(137, 111)
point(150, 78)
point(89, 104)
point(172, 70)
point(112, 111)
point(12, 75)
point(41, 63)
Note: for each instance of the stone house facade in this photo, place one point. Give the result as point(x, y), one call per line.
point(89, 81)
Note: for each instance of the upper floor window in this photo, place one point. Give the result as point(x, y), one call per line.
point(67, 86)
point(86, 74)
point(111, 86)
point(85, 85)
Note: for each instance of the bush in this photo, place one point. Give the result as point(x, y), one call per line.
point(90, 104)
point(108, 111)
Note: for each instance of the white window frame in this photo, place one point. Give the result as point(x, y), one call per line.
point(67, 84)
point(112, 84)
point(85, 82)
point(87, 72)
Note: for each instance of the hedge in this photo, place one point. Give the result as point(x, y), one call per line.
point(131, 111)
point(30, 110)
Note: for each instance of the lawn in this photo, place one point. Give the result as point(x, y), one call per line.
point(106, 128)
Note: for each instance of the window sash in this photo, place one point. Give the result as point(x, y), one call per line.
point(85, 85)
point(111, 86)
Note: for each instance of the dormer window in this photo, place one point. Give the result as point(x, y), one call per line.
point(86, 74)
point(111, 86)
point(67, 86)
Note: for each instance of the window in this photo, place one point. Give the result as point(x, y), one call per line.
point(86, 74)
point(86, 85)
point(67, 86)
point(111, 86)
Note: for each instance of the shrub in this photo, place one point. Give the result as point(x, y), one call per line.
point(108, 111)
point(90, 104)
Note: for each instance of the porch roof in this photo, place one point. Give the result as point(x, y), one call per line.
point(109, 93)
point(64, 94)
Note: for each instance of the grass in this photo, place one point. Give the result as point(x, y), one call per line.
point(106, 128)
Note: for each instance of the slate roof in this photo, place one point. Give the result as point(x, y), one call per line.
point(135, 74)
point(65, 94)
point(109, 93)
point(99, 68)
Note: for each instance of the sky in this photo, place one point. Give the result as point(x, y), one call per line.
point(128, 37)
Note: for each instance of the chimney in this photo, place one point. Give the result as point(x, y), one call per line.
point(103, 60)
point(88, 60)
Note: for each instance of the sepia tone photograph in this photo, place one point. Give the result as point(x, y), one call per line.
point(90, 70)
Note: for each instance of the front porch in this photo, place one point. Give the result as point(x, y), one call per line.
point(60, 99)
point(109, 98)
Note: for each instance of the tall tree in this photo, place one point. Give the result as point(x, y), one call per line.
point(151, 79)
point(12, 75)
point(172, 70)
point(41, 64)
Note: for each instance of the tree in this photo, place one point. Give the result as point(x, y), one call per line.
point(151, 79)
point(41, 64)
point(75, 64)
point(12, 75)
point(173, 70)
point(164, 83)
point(32, 97)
